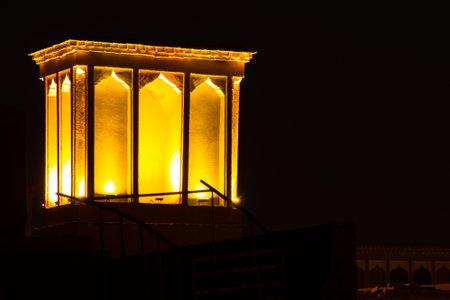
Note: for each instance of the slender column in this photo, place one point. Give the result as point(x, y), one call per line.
point(57, 138)
point(90, 137)
point(229, 133)
point(185, 162)
point(410, 271)
point(433, 271)
point(366, 273)
point(388, 270)
point(135, 117)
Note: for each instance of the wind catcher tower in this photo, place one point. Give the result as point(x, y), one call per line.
point(136, 128)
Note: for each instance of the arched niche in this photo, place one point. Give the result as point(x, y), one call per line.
point(207, 134)
point(112, 131)
point(443, 275)
point(399, 275)
point(65, 136)
point(422, 275)
point(51, 146)
point(377, 277)
point(160, 137)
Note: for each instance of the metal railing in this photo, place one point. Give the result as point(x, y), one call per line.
point(103, 206)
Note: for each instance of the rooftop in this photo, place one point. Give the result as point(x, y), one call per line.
point(72, 46)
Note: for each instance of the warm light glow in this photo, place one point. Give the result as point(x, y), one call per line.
point(79, 132)
point(109, 187)
point(52, 186)
point(234, 136)
point(65, 137)
point(160, 136)
point(202, 194)
point(52, 89)
point(207, 134)
point(51, 144)
point(112, 131)
point(80, 71)
point(169, 83)
point(66, 85)
point(175, 172)
point(215, 87)
point(81, 188)
point(113, 75)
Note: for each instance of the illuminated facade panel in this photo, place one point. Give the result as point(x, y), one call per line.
point(131, 122)
point(51, 145)
point(160, 135)
point(112, 131)
point(79, 132)
point(207, 136)
point(234, 136)
point(65, 136)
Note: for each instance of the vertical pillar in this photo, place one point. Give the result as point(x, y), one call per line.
point(388, 270)
point(58, 198)
point(410, 275)
point(90, 137)
point(366, 273)
point(433, 271)
point(135, 116)
point(229, 133)
point(185, 147)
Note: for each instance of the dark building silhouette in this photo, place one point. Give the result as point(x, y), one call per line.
point(130, 129)
point(378, 265)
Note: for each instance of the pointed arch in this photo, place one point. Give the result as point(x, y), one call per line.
point(160, 138)
point(422, 276)
point(207, 135)
point(399, 275)
point(112, 131)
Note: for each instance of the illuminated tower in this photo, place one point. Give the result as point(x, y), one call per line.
point(136, 127)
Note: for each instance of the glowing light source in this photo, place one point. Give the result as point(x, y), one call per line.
point(169, 83)
point(66, 85)
point(81, 188)
point(52, 186)
point(80, 71)
point(109, 187)
point(52, 89)
point(113, 75)
point(175, 172)
point(202, 194)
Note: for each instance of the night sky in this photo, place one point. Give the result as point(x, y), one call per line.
point(344, 116)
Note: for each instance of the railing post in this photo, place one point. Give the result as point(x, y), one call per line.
point(213, 222)
point(122, 254)
point(255, 259)
point(144, 261)
point(102, 252)
point(160, 269)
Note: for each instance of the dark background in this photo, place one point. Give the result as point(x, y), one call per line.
point(344, 110)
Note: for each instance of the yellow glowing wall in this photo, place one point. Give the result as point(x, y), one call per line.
point(51, 145)
point(234, 136)
point(160, 132)
point(65, 136)
point(80, 131)
point(112, 131)
point(207, 128)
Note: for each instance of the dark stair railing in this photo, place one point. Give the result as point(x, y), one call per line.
point(102, 206)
